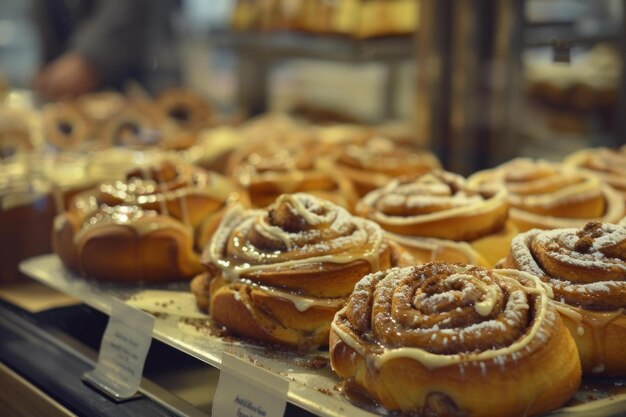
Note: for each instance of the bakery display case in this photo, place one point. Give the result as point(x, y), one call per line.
point(164, 254)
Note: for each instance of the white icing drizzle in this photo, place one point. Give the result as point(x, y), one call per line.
point(560, 245)
point(484, 307)
point(301, 302)
point(597, 321)
point(365, 242)
point(464, 206)
point(537, 175)
point(436, 246)
point(142, 222)
point(536, 332)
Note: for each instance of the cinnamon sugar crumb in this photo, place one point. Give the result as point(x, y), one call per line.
point(583, 245)
point(590, 230)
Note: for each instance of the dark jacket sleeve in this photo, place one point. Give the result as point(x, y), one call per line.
point(114, 37)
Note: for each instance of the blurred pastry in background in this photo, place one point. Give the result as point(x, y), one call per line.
point(354, 18)
point(19, 131)
point(67, 128)
point(437, 216)
point(547, 195)
point(148, 226)
point(186, 108)
point(267, 169)
point(607, 164)
point(373, 163)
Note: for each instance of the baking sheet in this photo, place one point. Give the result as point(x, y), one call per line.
point(313, 386)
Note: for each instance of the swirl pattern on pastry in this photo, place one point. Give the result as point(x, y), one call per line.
point(586, 269)
point(181, 191)
point(144, 228)
point(372, 164)
point(607, 164)
point(436, 213)
point(279, 275)
point(549, 196)
point(457, 334)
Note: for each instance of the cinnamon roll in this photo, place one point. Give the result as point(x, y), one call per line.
point(549, 196)
point(586, 269)
point(146, 227)
point(372, 164)
point(454, 340)
point(267, 169)
point(607, 164)
point(280, 274)
point(437, 216)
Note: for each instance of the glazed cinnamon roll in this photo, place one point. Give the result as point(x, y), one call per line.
point(146, 227)
point(267, 169)
point(437, 216)
point(607, 164)
point(454, 340)
point(549, 196)
point(373, 163)
point(586, 269)
point(280, 274)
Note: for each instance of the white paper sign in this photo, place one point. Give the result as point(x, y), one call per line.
point(123, 352)
point(245, 390)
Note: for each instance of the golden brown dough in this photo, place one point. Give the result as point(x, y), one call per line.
point(607, 164)
point(437, 216)
point(278, 275)
point(138, 124)
point(544, 195)
point(65, 126)
point(454, 340)
point(186, 108)
point(146, 227)
point(586, 269)
point(373, 163)
point(267, 169)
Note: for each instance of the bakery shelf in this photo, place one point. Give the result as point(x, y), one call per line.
point(311, 388)
point(543, 35)
point(258, 52)
point(302, 45)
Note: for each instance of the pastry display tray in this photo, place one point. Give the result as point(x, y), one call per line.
point(312, 387)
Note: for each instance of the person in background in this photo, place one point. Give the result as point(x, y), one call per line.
point(89, 45)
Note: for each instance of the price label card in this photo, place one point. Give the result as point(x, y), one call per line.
point(123, 352)
point(245, 390)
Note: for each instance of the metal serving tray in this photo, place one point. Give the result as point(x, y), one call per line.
point(312, 387)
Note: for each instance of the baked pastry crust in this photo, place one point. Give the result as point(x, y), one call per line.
point(436, 216)
point(267, 169)
point(442, 339)
point(607, 164)
point(373, 163)
point(65, 126)
point(186, 108)
point(146, 227)
point(544, 195)
point(279, 275)
point(586, 269)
